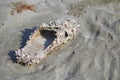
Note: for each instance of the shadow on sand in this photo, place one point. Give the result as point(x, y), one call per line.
point(12, 56)
point(26, 33)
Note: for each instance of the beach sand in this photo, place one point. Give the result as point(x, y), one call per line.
point(94, 54)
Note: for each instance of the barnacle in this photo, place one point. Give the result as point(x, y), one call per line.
point(34, 52)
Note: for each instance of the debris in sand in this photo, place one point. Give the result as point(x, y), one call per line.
point(63, 32)
point(19, 7)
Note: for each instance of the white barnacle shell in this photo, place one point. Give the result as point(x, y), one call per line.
point(43, 25)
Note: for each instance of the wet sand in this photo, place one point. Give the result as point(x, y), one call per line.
point(94, 54)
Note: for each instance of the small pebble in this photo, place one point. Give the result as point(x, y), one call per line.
point(3, 24)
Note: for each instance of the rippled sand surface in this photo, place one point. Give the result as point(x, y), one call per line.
point(93, 55)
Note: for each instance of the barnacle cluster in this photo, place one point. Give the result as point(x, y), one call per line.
point(62, 30)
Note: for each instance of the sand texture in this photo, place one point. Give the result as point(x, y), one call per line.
point(94, 54)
